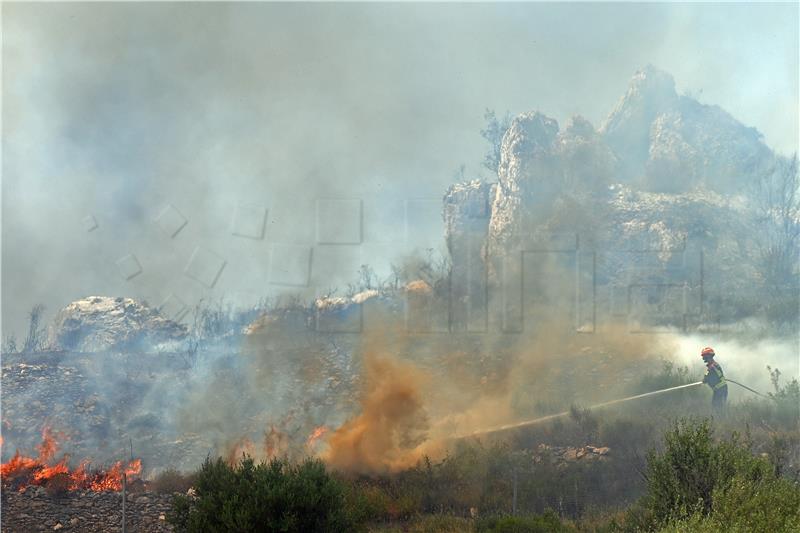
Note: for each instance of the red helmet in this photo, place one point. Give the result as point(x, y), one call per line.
point(707, 352)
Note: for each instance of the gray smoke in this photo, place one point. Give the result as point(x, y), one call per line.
point(114, 111)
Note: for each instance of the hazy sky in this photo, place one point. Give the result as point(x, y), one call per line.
point(223, 111)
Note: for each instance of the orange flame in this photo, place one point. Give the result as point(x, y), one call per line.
point(16, 464)
point(112, 479)
point(316, 435)
point(48, 448)
point(79, 478)
point(22, 471)
point(47, 472)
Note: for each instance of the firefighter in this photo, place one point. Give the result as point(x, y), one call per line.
point(715, 379)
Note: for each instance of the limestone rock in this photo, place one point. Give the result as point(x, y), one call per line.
point(673, 143)
point(103, 323)
point(659, 193)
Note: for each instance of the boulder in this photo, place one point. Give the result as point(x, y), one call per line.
point(103, 323)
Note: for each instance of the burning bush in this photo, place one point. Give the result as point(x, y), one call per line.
point(273, 496)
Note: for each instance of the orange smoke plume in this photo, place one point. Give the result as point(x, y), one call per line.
point(392, 423)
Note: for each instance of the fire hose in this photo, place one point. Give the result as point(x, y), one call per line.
point(565, 413)
point(603, 404)
point(751, 390)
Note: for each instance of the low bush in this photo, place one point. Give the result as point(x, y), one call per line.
point(758, 504)
point(696, 483)
point(367, 503)
point(682, 479)
point(549, 522)
point(786, 398)
point(265, 497)
point(747, 505)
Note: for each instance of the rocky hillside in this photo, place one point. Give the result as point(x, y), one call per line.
point(36, 510)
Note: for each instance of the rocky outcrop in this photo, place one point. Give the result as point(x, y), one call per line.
point(702, 242)
point(527, 177)
point(538, 166)
point(673, 143)
point(659, 194)
point(588, 163)
point(466, 211)
point(654, 141)
point(103, 323)
point(467, 208)
point(650, 93)
point(667, 223)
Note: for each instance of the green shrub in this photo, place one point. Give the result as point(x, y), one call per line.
point(766, 504)
point(681, 480)
point(787, 399)
point(549, 522)
point(613, 521)
point(747, 505)
point(366, 503)
point(783, 450)
point(697, 523)
point(265, 497)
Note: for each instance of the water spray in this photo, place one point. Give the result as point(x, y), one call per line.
point(565, 413)
point(595, 406)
